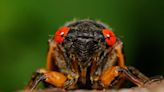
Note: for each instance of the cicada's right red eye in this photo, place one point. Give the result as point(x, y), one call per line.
point(60, 34)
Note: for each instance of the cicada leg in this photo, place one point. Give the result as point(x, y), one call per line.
point(55, 78)
point(147, 81)
point(110, 74)
point(137, 73)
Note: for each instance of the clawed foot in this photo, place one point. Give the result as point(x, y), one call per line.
point(154, 81)
point(71, 81)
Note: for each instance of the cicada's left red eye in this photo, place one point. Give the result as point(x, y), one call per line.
point(110, 37)
point(60, 34)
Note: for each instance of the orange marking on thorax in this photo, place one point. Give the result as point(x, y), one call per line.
point(49, 55)
point(120, 56)
point(83, 73)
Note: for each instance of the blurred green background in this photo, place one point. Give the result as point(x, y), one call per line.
point(25, 26)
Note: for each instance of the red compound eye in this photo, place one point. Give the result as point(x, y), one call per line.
point(60, 34)
point(109, 37)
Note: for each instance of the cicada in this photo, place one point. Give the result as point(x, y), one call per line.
point(85, 54)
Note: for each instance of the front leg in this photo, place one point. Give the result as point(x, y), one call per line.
point(54, 78)
point(111, 73)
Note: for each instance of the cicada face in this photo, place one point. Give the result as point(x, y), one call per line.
point(84, 40)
